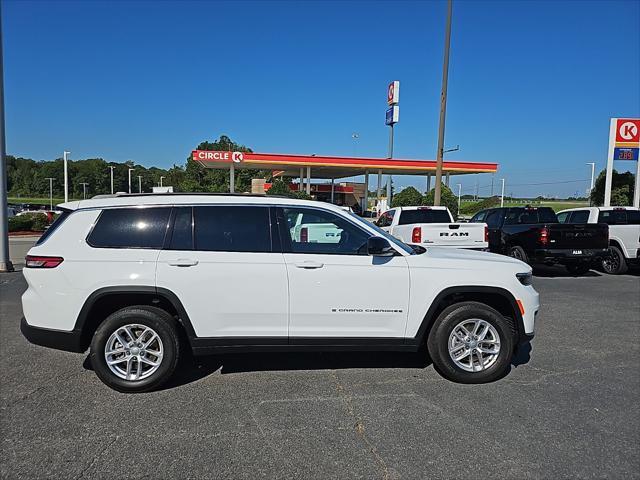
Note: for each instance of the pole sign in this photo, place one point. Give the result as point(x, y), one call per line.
point(222, 157)
point(393, 93)
point(393, 115)
point(624, 144)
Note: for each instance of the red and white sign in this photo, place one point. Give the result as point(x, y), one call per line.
point(393, 93)
point(235, 157)
point(627, 130)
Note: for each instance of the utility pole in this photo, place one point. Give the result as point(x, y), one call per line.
point(139, 183)
point(5, 260)
point(130, 170)
point(477, 189)
point(111, 167)
point(84, 189)
point(493, 176)
point(459, 196)
point(593, 172)
point(502, 195)
point(50, 192)
point(443, 106)
point(66, 176)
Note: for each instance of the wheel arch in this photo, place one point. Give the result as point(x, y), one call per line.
point(107, 300)
point(497, 298)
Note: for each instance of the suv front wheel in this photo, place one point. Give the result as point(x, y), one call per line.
point(471, 342)
point(135, 349)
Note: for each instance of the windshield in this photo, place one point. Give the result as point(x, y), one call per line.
point(403, 246)
point(423, 215)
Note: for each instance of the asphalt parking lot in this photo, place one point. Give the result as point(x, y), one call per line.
point(568, 409)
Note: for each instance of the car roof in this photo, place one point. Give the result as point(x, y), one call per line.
point(169, 199)
point(599, 209)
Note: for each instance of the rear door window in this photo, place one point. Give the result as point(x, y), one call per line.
point(493, 218)
point(232, 229)
point(423, 215)
point(130, 228)
point(564, 217)
point(613, 217)
point(633, 217)
point(182, 233)
point(479, 217)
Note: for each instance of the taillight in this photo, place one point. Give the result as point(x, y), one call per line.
point(486, 233)
point(416, 235)
point(544, 236)
point(304, 235)
point(33, 261)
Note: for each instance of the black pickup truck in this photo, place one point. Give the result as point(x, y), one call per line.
point(535, 236)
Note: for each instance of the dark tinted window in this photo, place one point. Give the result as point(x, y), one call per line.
point(564, 217)
point(527, 216)
point(479, 217)
point(547, 215)
point(613, 217)
point(182, 235)
point(423, 215)
point(130, 228)
point(54, 226)
point(322, 232)
point(633, 217)
point(493, 218)
point(580, 216)
point(232, 229)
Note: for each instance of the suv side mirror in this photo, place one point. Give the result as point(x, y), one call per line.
point(380, 247)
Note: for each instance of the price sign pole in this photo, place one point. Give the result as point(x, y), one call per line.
point(391, 118)
point(624, 144)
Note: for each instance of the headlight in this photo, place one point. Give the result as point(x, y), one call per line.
point(524, 278)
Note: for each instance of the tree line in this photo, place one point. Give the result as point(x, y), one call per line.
point(28, 178)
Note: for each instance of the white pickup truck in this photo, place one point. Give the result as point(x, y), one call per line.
point(624, 233)
point(433, 227)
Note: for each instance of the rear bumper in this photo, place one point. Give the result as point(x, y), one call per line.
point(58, 339)
point(568, 255)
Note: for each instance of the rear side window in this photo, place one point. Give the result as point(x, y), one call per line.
point(232, 229)
point(580, 216)
point(423, 215)
point(130, 228)
point(563, 217)
point(493, 218)
point(54, 226)
point(633, 217)
point(613, 217)
point(478, 217)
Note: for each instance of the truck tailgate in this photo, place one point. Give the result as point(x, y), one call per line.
point(568, 235)
point(460, 235)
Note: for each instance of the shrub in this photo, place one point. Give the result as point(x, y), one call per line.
point(447, 199)
point(31, 222)
point(280, 187)
point(407, 197)
point(475, 207)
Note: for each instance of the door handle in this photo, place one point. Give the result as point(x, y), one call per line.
point(183, 262)
point(309, 265)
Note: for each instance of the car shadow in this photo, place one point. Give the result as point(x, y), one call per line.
point(192, 369)
point(558, 271)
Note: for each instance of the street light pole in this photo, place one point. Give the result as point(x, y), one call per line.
point(50, 192)
point(139, 183)
point(130, 170)
point(443, 105)
point(84, 189)
point(502, 195)
point(111, 167)
point(161, 180)
point(459, 195)
point(593, 172)
point(66, 176)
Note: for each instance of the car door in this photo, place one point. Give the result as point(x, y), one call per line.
point(335, 288)
point(222, 264)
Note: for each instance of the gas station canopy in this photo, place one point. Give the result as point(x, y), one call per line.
point(333, 167)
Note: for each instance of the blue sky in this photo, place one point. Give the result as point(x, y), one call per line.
point(532, 84)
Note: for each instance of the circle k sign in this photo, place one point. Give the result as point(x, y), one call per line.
point(628, 130)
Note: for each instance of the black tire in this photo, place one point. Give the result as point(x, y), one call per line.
point(519, 253)
point(155, 318)
point(578, 268)
point(438, 342)
point(615, 263)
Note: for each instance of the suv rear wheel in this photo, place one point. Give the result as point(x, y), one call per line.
point(471, 342)
point(135, 349)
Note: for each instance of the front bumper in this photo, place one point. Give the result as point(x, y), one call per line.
point(60, 340)
point(568, 255)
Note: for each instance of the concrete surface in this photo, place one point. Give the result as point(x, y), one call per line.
point(571, 410)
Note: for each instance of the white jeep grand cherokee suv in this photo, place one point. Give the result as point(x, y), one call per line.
point(137, 279)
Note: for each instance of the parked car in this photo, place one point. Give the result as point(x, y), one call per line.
point(624, 233)
point(432, 227)
point(534, 235)
point(137, 279)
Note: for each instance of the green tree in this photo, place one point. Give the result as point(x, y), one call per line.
point(279, 187)
point(622, 186)
point(407, 197)
point(447, 199)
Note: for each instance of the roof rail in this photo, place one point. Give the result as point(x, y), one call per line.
point(207, 194)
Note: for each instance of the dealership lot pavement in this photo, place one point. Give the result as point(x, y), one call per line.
point(569, 409)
